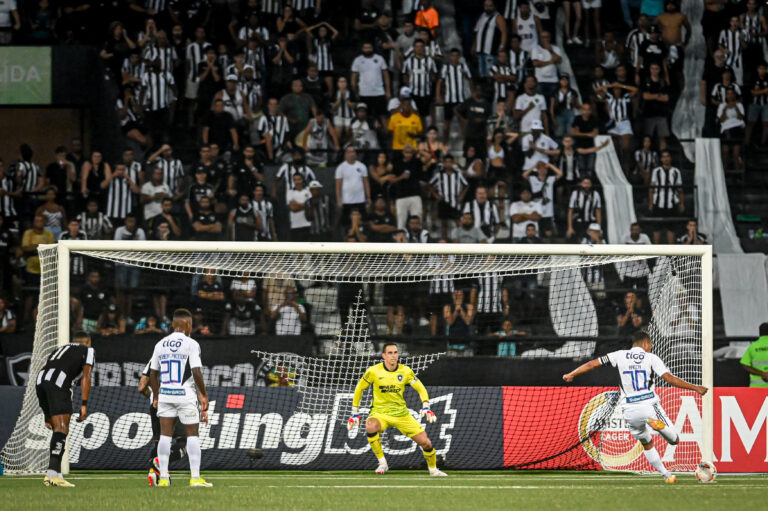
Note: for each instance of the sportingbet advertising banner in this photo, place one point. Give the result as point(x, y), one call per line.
point(25, 75)
point(117, 434)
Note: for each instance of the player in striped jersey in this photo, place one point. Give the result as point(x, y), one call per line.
point(448, 186)
point(451, 89)
point(418, 73)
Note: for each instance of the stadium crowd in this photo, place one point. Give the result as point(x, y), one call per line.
point(263, 120)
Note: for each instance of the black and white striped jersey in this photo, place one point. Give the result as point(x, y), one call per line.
point(648, 160)
point(489, 293)
point(300, 5)
point(753, 26)
point(173, 171)
point(619, 108)
point(321, 215)
point(276, 126)
point(510, 11)
point(119, 198)
point(585, 205)
point(252, 91)
point(569, 164)
point(271, 6)
point(501, 89)
point(130, 113)
point(635, 38)
point(66, 364)
point(449, 186)
point(224, 60)
point(195, 55)
point(156, 88)
point(234, 104)
point(454, 89)
point(322, 54)
point(6, 317)
point(96, 225)
point(266, 210)
point(519, 61)
point(592, 274)
point(7, 207)
point(666, 185)
point(431, 49)
point(246, 32)
point(77, 266)
point(288, 170)
point(487, 34)
point(255, 59)
point(719, 91)
point(420, 72)
point(420, 237)
point(760, 84)
point(167, 56)
point(135, 70)
point(444, 283)
point(30, 174)
point(732, 41)
point(344, 108)
point(486, 215)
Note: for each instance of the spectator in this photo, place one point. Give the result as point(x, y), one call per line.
point(485, 213)
point(473, 115)
point(54, 214)
point(61, 174)
point(652, 51)
point(584, 130)
point(31, 180)
point(121, 189)
point(419, 73)
point(286, 172)
point(210, 297)
point(406, 186)
point(94, 301)
point(158, 93)
point(199, 325)
point(241, 316)
point(111, 322)
point(272, 130)
point(150, 325)
point(672, 23)
point(205, 225)
point(542, 184)
point(562, 105)
point(692, 235)
point(405, 126)
point(265, 209)
point(116, 49)
point(646, 159)
point(298, 107)
point(10, 21)
point(609, 53)
point(656, 105)
point(9, 192)
point(352, 188)
point(219, 128)
point(546, 58)
point(754, 362)
point(731, 117)
point(635, 38)
point(153, 194)
point(537, 146)
point(318, 212)
point(200, 189)
point(370, 81)
point(593, 275)
point(630, 319)
point(165, 225)
point(96, 224)
point(665, 196)
point(490, 301)
point(7, 318)
point(450, 90)
point(235, 102)
point(585, 207)
point(523, 213)
point(527, 26)
point(33, 237)
point(428, 17)
point(173, 170)
point(636, 272)
point(357, 228)
point(127, 277)
point(458, 316)
point(758, 109)
point(448, 187)
point(731, 42)
point(362, 131)
point(466, 231)
point(713, 73)
point(244, 221)
point(381, 223)
point(507, 330)
point(296, 199)
point(288, 315)
point(77, 262)
point(315, 137)
point(619, 99)
point(344, 110)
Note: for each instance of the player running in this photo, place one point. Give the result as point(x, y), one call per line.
point(174, 374)
point(642, 409)
point(388, 408)
point(178, 449)
point(54, 392)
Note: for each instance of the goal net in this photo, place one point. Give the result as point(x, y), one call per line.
point(287, 331)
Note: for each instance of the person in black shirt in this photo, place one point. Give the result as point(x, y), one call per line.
point(94, 301)
point(584, 129)
point(473, 115)
point(244, 221)
point(211, 78)
point(656, 105)
point(365, 21)
point(713, 73)
point(60, 174)
point(199, 189)
point(54, 393)
point(172, 229)
point(246, 173)
point(407, 189)
point(381, 223)
point(219, 128)
point(651, 51)
point(205, 225)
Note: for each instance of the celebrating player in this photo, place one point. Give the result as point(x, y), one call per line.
point(642, 409)
point(388, 408)
point(54, 392)
point(178, 449)
point(174, 374)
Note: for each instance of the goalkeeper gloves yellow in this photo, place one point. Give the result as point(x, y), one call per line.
point(426, 412)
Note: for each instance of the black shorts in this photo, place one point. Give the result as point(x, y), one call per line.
point(733, 136)
point(422, 103)
point(439, 300)
point(447, 212)
point(326, 74)
point(377, 105)
point(448, 113)
point(178, 429)
point(395, 294)
point(54, 400)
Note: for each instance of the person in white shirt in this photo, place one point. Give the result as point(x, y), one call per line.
point(523, 213)
point(296, 198)
point(353, 191)
point(537, 146)
point(731, 117)
point(176, 379)
point(546, 58)
point(642, 409)
point(288, 314)
point(152, 194)
point(542, 184)
point(636, 272)
point(370, 81)
point(530, 106)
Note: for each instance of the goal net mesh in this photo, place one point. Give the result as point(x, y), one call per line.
point(285, 337)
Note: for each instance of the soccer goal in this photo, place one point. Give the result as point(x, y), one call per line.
point(296, 325)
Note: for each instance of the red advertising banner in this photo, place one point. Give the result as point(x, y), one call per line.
point(741, 429)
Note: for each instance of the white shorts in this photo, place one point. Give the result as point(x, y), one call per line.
point(637, 416)
point(591, 4)
point(190, 91)
point(186, 412)
point(621, 128)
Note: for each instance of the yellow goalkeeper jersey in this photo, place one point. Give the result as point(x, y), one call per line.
point(388, 388)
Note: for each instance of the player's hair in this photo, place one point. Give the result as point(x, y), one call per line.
point(384, 348)
point(640, 337)
point(763, 329)
point(182, 314)
point(80, 335)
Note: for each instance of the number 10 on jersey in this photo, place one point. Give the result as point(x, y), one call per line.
point(170, 371)
point(639, 379)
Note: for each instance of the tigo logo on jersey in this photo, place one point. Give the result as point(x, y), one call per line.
point(173, 344)
point(637, 357)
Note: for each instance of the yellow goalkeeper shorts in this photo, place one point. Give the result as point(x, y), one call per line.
point(407, 425)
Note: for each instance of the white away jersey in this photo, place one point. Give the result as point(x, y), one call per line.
point(636, 366)
point(175, 356)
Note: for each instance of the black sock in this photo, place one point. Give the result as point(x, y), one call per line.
point(57, 451)
point(177, 452)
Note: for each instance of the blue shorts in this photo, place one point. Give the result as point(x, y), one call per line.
point(757, 112)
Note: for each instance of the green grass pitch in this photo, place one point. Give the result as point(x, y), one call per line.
point(395, 491)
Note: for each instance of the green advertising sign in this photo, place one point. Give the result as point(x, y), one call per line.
point(25, 75)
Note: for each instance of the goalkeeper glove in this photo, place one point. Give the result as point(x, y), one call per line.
point(429, 414)
point(354, 419)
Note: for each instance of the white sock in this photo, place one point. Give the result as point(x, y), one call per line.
point(193, 451)
point(652, 455)
point(163, 453)
point(51, 474)
point(669, 434)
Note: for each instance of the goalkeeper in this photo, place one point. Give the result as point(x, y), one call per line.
point(388, 408)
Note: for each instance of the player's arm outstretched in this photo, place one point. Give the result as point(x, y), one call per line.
point(354, 419)
point(422, 390)
point(682, 384)
point(583, 368)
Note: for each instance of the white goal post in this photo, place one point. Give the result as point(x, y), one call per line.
point(522, 259)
